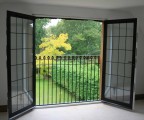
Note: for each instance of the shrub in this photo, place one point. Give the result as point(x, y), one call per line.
point(80, 79)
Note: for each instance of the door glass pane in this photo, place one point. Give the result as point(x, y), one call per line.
point(121, 56)
point(109, 46)
point(20, 87)
point(128, 57)
point(20, 101)
point(19, 72)
point(120, 95)
point(30, 41)
point(14, 88)
point(30, 27)
point(115, 30)
point(109, 54)
point(127, 82)
point(13, 41)
point(113, 93)
point(129, 43)
point(14, 104)
point(19, 56)
point(107, 92)
point(115, 42)
point(19, 25)
point(128, 68)
point(108, 67)
point(121, 81)
point(119, 62)
point(13, 58)
point(19, 41)
point(13, 73)
point(25, 26)
point(21, 63)
point(109, 30)
point(130, 27)
point(114, 68)
point(122, 43)
point(123, 29)
point(121, 69)
point(115, 55)
point(13, 24)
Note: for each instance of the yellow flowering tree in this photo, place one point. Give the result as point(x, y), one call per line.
point(51, 47)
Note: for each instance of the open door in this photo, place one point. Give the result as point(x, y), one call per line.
point(20, 63)
point(119, 62)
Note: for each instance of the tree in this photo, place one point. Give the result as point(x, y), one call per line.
point(84, 35)
point(51, 46)
point(40, 31)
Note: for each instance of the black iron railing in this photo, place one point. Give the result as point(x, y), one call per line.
point(67, 79)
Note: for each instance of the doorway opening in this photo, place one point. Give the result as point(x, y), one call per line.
point(67, 61)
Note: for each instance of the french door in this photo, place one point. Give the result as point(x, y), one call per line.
point(119, 62)
point(20, 63)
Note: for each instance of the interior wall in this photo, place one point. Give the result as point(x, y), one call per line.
point(138, 13)
point(45, 10)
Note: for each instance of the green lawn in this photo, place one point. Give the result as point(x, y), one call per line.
point(47, 92)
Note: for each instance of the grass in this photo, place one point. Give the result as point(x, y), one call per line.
point(47, 92)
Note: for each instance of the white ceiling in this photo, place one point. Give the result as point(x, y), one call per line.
point(105, 4)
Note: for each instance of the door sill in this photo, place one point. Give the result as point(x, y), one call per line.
point(67, 104)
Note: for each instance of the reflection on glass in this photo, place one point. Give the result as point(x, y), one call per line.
point(121, 56)
point(122, 42)
point(14, 104)
point(19, 25)
point(19, 56)
point(115, 42)
point(19, 72)
point(114, 68)
point(13, 57)
point(123, 29)
point(13, 24)
point(121, 69)
point(13, 73)
point(20, 101)
point(130, 27)
point(115, 30)
point(120, 95)
point(121, 82)
point(129, 43)
point(14, 89)
point(19, 41)
point(13, 41)
point(115, 56)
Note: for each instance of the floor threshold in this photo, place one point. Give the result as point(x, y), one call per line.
point(66, 104)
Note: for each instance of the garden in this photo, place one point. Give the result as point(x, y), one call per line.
point(67, 62)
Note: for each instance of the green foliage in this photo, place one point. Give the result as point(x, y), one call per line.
point(80, 79)
point(40, 32)
point(84, 35)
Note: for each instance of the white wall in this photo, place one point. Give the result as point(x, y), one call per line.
point(138, 13)
point(59, 11)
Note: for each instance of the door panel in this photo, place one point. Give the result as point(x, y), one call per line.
point(20, 62)
point(119, 61)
